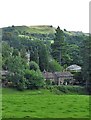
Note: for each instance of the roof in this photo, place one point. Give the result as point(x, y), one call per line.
point(63, 74)
point(3, 72)
point(50, 75)
point(74, 67)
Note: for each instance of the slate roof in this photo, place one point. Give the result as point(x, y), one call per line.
point(63, 74)
point(74, 67)
point(50, 75)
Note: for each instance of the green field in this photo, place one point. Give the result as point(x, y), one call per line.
point(43, 104)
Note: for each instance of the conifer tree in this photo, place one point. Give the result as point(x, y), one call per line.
point(58, 45)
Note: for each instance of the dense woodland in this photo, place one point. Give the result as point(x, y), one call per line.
point(28, 51)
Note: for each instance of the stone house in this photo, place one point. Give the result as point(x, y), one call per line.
point(58, 78)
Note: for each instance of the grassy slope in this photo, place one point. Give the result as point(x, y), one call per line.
point(46, 29)
point(43, 104)
point(36, 29)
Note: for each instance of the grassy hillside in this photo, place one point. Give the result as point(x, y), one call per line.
point(34, 104)
point(36, 29)
point(45, 29)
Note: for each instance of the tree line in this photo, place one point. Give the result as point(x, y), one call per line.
point(43, 55)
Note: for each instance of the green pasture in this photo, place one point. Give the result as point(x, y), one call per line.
point(43, 104)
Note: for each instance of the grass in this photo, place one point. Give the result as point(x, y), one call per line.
point(37, 29)
point(43, 104)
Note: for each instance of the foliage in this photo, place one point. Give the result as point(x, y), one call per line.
point(43, 43)
point(54, 66)
point(67, 89)
point(34, 66)
point(78, 78)
point(57, 46)
point(43, 57)
point(16, 66)
point(86, 56)
point(34, 79)
point(6, 53)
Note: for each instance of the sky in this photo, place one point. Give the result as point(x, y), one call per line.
point(72, 15)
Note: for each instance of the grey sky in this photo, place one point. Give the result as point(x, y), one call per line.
point(72, 15)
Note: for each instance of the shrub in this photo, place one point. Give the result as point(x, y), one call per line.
point(21, 85)
point(67, 89)
point(34, 79)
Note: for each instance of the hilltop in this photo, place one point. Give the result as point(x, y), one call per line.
point(43, 29)
point(45, 33)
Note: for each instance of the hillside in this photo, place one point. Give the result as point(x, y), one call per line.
point(44, 32)
point(51, 52)
point(43, 29)
point(35, 29)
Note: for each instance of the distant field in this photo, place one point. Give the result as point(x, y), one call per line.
point(43, 104)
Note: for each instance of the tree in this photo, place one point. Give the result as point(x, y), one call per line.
point(34, 76)
point(34, 55)
point(86, 57)
point(34, 79)
point(54, 66)
point(15, 52)
point(57, 46)
point(43, 57)
point(16, 67)
point(6, 53)
point(33, 66)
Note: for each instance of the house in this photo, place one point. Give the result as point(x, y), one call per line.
point(3, 80)
point(63, 78)
point(49, 77)
point(58, 78)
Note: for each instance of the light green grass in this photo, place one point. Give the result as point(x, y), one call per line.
point(37, 29)
point(43, 104)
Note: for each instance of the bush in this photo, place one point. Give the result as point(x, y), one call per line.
point(72, 89)
point(67, 89)
point(63, 89)
point(21, 85)
point(34, 79)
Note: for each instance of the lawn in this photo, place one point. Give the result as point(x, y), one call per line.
point(43, 104)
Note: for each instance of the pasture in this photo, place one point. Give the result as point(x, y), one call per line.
point(43, 104)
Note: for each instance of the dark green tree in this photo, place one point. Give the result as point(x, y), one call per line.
point(6, 53)
point(58, 44)
point(34, 55)
point(15, 52)
point(43, 57)
point(86, 57)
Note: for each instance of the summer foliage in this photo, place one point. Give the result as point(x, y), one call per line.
point(27, 53)
point(52, 50)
